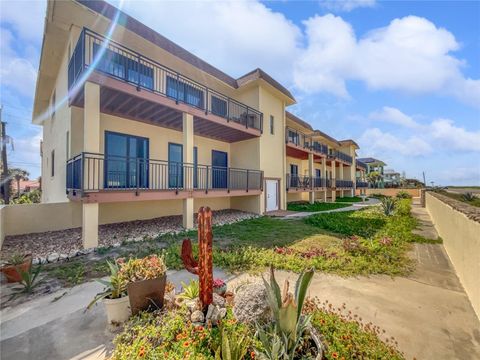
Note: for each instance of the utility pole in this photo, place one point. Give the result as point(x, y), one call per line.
point(5, 181)
point(424, 181)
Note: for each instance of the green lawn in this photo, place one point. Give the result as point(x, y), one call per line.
point(346, 243)
point(316, 206)
point(349, 199)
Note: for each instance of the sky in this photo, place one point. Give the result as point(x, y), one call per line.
point(401, 78)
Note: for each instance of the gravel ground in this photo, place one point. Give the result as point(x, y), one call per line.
point(69, 241)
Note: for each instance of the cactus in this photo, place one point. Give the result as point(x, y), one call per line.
point(204, 267)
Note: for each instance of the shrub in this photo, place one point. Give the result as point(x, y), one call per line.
point(468, 196)
point(402, 194)
point(149, 267)
point(388, 205)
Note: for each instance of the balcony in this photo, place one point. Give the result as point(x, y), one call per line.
point(343, 184)
point(361, 184)
point(319, 148)
point(298, 143)
point(305, 183)
point(338, 155)
point(139, 88)
point(95, 178)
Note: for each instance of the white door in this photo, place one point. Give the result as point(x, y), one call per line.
point(272, 195)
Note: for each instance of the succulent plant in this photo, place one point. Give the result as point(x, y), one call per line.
point(115, 287)
point(468, 196)
point(283, 337)
point(388, 204)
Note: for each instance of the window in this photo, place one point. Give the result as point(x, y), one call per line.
point(123, 67)
point(126, 161)
point(184, 92)
point(219, 106)
point(272, 127)
point(52, 174)
point(175, 165)
point(293, 137)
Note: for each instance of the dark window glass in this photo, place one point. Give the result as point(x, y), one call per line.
point(272, 125)
point(219, 169)
point(219, 106)
point(186, 92)
point(53, 163)
point(175, 165)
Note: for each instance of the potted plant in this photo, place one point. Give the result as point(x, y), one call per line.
point(16, 264)
point(114, 296)
point(146, 279)
point(290, 335)
point(219, 287)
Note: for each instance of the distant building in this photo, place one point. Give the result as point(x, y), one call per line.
point(372, 165)
point(392, 178)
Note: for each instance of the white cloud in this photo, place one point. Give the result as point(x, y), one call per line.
point(375, 142)
point(235, 36)
point(457, 138)
point(461, 176)
point(394, 116)
point(25, 18)
point(16, 72)
point(346, 5)
point(410, 54)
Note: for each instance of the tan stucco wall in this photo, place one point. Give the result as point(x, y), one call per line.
point(390, 192)
point(461, 240)
point(67, 215)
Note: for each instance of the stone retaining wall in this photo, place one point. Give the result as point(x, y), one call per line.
point(458, 224)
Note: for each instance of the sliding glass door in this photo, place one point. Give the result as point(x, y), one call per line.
point(175, 165)
point(126, 161)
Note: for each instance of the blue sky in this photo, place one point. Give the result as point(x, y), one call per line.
point(401, 78)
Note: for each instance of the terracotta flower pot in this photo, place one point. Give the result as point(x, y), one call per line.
point(146, 294)
point(12, 272)
point(118, 310)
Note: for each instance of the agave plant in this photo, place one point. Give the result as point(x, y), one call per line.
point(281, 339)
point(190, 291)
point(115, 287)
point(468, 196)
point(28, 282)
point(233, 345)
point(388, 205)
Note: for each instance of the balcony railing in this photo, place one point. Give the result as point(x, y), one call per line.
point(93, 172)
point(297, 138)
point(305, 182)
point(319, 148)
point(335, 154)
point(361, 184)
point(96, 52)
point(361, 165)
point(344, 184)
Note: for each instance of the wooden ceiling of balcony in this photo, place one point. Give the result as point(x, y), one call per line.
point(123, 104)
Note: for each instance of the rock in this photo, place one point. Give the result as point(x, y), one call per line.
point(53, 257)
point(197, 317)
point(42, 260)
point(215, 314)
point(251, 304)
point(72, 253)
point(218, 300)
point(35, 261)
point(192, 305)
point(63, 257)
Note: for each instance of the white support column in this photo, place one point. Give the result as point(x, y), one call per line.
point(188, 137)
point(91, 143)
point(324, 175)
point(334, 177)
point(311, 194)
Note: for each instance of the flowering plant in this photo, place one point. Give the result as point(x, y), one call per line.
point(218, 283)
point(150, 267)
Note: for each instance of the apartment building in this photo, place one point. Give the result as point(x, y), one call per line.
point(136, 127)
point(371, 165)
point(319, 167)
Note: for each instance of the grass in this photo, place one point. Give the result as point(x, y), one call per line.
point(316, 206)
point(349, 199)
point(321, 241)
point(475, 202)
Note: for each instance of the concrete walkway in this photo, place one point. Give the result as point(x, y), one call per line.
point(353, 207)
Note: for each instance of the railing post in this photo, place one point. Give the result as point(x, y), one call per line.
point(137, 175)
point(82, 169)
point(247, 180)
point(228, 180)
point(206, 101)
point(246, 120)
point(206, 184)
point(177, 86)
point(138, 73)
point(178, 178)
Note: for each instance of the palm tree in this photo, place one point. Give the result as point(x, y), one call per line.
point(18, 175)
point(373, 178)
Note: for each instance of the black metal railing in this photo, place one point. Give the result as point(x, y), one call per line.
point(305, 182)
point(336, 154)
point(361, 165)
point(344, 184)
point(297, 138)
point(319, 148)
point(361, 184)
point(104, 55)
point(93, 172)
